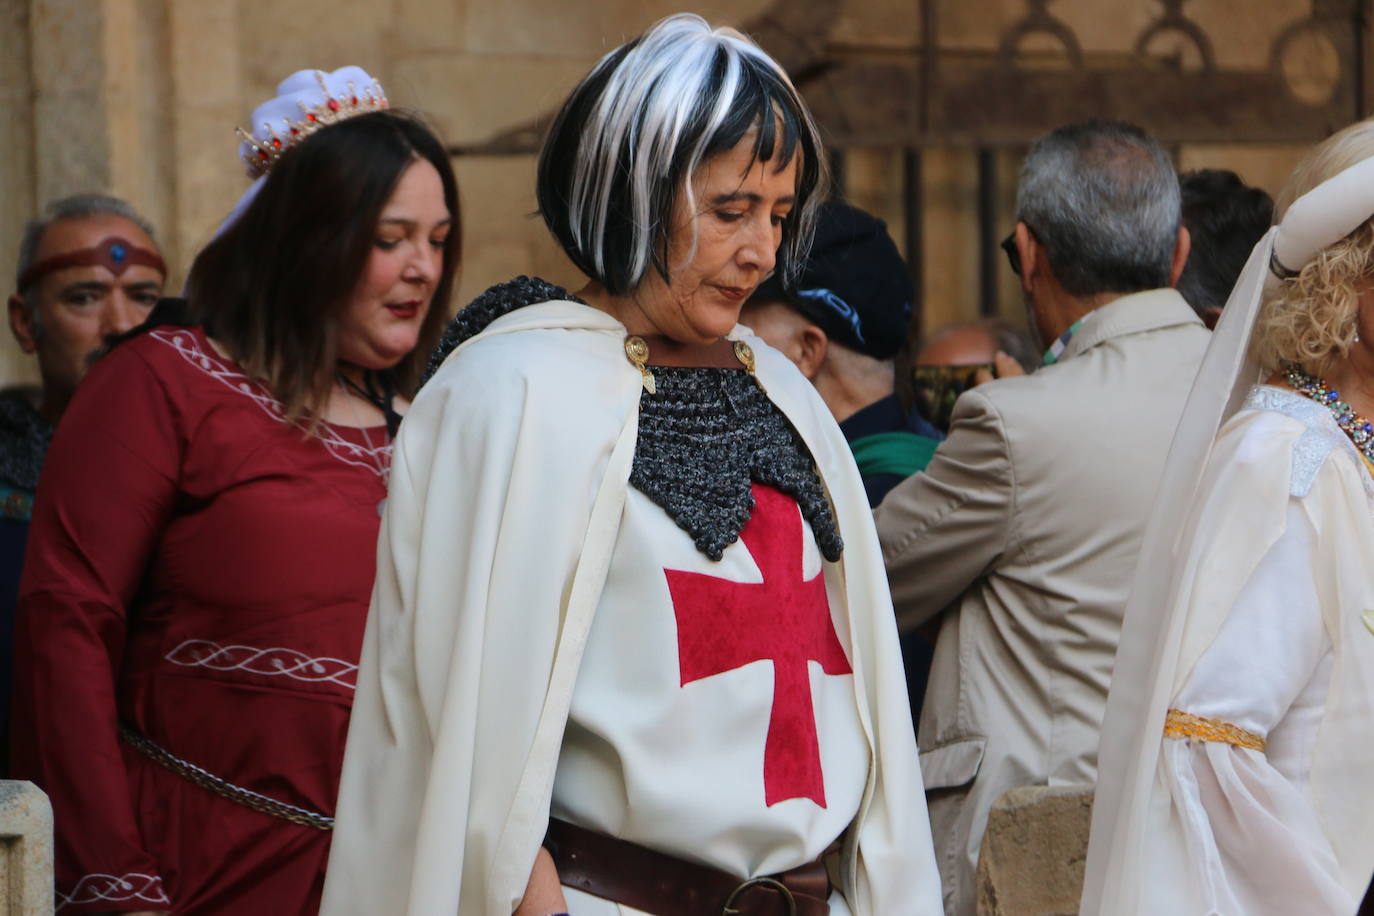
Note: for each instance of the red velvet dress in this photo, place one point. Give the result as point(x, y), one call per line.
point(200, 571)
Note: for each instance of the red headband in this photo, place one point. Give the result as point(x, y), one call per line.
point(114, 253)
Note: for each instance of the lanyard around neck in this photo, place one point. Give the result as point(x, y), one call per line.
point(1056, 350)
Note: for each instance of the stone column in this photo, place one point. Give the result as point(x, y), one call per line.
point(71, 136)
point(26, 878)
point(139, 120)
point(206, 89)
point(16, 169)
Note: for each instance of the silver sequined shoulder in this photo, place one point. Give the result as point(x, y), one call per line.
point(1321, 437)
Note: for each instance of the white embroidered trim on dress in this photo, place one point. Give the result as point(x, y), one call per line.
point(97, 888)
point(274, 662)
point(377, 460)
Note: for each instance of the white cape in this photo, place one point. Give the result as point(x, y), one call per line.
point(507, 482)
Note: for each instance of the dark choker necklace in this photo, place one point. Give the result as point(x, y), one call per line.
point(378, 391)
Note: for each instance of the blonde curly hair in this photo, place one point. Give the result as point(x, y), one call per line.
point(1311, 319)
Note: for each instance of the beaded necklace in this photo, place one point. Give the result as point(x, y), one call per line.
point(1360, 430)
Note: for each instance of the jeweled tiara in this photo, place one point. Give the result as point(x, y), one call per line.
point(281, 134)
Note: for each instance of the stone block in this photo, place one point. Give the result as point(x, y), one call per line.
point(1034, 850)
point(26, 882)
point(887, 25)
point(209, 102)
point(15, 72)
point(421, 26)
point(949, 250)
point(67, 45)
point(70, 130)
point(502, 236)
point(1264, 165)
point(17, 177)
point(473, 97)
point(547, 27)
point(276, 39)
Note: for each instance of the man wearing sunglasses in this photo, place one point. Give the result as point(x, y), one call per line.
point(1021, 535)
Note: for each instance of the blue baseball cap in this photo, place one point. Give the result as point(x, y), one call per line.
point(854, 285)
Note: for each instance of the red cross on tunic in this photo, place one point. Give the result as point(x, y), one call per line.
point(723, 625)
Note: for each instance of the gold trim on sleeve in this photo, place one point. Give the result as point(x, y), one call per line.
point(1179, 724)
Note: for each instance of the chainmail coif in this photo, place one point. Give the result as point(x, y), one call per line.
point(704, 437)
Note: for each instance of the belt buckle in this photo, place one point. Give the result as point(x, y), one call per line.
point(729, 909)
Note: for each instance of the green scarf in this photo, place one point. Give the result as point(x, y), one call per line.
point(899, 453)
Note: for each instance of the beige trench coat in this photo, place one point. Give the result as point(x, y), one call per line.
point(1025, 527)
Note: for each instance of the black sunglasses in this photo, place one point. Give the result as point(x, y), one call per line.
point(1009, 246)
point(1013, 256)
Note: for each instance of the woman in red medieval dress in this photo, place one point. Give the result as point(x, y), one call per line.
point(203, 544)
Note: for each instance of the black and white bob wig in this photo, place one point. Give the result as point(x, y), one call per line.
point(633, 133)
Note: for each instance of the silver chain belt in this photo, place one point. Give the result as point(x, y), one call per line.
point(223, 787)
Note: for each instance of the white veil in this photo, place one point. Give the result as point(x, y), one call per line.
point(1148, 656)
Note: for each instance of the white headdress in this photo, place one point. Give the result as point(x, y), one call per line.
point(1152, 634)
point(306, 101)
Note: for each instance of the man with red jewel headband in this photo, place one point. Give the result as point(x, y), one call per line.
point(89, 270)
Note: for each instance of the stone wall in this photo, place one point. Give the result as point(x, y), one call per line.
point(17, 144)
point(139, 98)
point(1034, 850)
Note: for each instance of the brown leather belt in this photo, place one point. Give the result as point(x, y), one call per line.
point(664, 885)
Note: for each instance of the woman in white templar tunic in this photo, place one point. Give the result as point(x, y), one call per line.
point(1238, 744)
point(629, 592)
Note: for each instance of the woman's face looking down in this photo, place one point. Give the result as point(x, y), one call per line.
point(738, 212)
point(382, 320)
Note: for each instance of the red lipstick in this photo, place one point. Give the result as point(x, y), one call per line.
point(404, 310)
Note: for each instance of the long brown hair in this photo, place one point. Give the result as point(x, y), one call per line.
point(271, 287)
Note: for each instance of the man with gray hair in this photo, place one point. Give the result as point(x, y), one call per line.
point(1019, 540)
point(88, 271)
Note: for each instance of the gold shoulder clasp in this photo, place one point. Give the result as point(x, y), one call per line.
point(745, 354)
point(637, 352)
